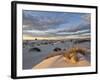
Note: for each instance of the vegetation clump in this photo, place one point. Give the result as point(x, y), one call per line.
point(35, 49)
point(57, 49)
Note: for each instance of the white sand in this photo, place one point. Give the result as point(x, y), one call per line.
point(59, 62)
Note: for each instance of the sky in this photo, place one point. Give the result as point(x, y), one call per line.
point(54, 25)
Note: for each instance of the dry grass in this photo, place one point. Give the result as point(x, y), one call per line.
point(71, 54)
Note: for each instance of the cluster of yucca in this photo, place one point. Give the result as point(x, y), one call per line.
point(72, 54)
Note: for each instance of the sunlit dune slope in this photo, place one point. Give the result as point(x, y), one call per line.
point(60, 61)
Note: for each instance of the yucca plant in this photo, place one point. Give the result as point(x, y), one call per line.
point(72, 54)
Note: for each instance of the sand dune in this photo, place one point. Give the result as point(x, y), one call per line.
point(31, 59)
point(60, 61)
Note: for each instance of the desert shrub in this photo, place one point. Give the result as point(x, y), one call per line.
point(72, 54)
point(35, 49)
point(57, 49)
point(74, 59)
point(77, 50)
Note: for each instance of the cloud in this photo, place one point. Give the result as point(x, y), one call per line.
point(86, 19)
point(43, 23)
point(47, 34)
point(41, 20)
